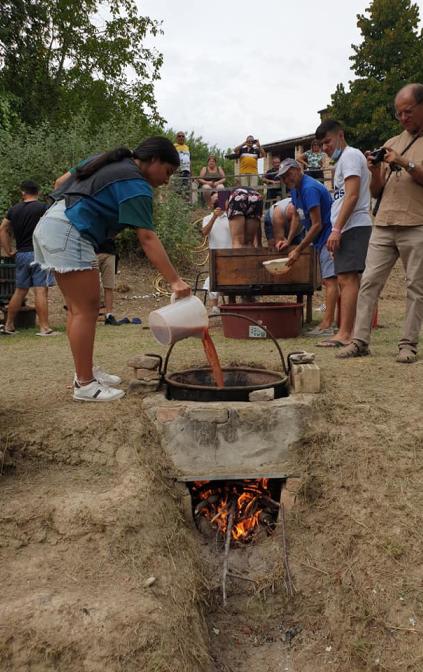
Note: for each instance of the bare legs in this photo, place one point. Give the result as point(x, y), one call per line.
point(14, 306)
point(331, 298)
point(108, 300)
point(81, 290)
point(243, 231)
point(349, 284)
point(41, 306)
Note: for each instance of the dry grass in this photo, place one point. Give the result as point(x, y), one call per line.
point(355, 542)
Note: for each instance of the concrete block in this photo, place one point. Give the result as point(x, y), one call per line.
point(231, 439)
point(143, 362)
point(262, 395)
point(142, 386)
point(305, 378)
point(146, 374)
point(208, 414)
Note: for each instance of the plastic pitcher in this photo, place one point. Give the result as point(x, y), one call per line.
point(180, 319)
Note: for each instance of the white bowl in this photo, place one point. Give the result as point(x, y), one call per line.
point(277, 266)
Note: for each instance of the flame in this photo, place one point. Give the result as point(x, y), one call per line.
point(247, 497)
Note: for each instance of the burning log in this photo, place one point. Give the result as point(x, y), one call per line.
point(227, 549)
point(253, 507)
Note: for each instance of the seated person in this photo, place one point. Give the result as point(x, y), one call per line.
point(313, 161)
point(211, 177)
point(271, 179)
point(280, 215)
point(216, 227)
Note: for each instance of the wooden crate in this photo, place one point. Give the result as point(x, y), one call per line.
point(241, 271)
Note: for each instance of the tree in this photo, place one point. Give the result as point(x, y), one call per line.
point(390, 55)
point(57, 56)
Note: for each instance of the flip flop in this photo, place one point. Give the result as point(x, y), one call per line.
point(320, 332)
point(331, 343)
point(50, 332)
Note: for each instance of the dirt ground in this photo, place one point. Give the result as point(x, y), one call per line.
point(100, 570)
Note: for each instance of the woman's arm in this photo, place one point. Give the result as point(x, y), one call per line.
point(156, 253)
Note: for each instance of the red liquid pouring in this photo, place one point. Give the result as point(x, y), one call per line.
point(213, 359)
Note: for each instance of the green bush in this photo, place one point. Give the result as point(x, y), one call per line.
point(172, 218)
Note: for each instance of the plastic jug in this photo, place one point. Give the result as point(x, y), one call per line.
point(180, 319)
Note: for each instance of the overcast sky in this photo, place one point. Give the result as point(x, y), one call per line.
point(235, 67)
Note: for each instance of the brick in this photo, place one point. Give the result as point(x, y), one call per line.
point(142, 386)
point(146, 374)
point(169, 413)
point(262, 395)
point(305, 378)
point(143, 362)
point(210, 414)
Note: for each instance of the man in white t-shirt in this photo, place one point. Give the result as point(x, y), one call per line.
point(216, 227)
point(278, 218)
point(351, 222)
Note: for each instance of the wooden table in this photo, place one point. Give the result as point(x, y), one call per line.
point(241, 271)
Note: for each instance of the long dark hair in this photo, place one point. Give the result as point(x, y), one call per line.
point(156, 147)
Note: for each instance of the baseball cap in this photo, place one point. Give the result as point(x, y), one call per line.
point(286, 165)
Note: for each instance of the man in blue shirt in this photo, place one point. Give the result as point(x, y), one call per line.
point(315, 201)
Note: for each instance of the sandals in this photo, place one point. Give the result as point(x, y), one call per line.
point(330, 331)
point(331, 343)
point(406, 356)
point(354, 349)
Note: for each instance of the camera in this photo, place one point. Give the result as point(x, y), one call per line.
point(377, 155)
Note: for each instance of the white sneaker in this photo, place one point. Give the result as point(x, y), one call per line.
point(95, 391)
point(105, 378)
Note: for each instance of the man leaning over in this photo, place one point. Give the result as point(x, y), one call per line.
point(398, 228)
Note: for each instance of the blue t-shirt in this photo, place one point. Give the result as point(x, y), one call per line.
point(310, 194)
point(114, 197)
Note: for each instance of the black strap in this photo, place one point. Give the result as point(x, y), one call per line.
point(379, 198)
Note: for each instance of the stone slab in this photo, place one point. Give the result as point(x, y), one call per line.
point(231, 439)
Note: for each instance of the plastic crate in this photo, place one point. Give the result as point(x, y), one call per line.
point(284, 320)
point(7, 279)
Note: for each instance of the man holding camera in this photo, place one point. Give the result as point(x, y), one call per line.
point(397, 182)
point(248, 154)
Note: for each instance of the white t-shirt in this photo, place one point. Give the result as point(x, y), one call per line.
point(283, 205)
point(220, 234)
point(352, 162)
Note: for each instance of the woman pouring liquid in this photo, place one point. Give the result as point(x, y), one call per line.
point(106, 194)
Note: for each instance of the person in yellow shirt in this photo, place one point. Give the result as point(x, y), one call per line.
point(183, 174)
point(249, 153)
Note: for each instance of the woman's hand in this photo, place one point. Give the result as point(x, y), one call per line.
point(180, 289)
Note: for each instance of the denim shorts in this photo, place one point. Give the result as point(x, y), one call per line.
point(327, 266)
point(30, 274)
point(59, 246)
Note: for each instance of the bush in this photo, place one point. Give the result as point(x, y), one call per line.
point(172, 218)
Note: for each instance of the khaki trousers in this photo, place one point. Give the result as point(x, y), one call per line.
point(387, 243)
point(249, 180)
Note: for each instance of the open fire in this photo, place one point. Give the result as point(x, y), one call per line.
point(246, 505)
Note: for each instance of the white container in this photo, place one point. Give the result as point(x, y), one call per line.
point(183, 318)
point(277, 266)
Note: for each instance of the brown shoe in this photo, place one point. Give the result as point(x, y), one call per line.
point(353, 349)
point(406, 356)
